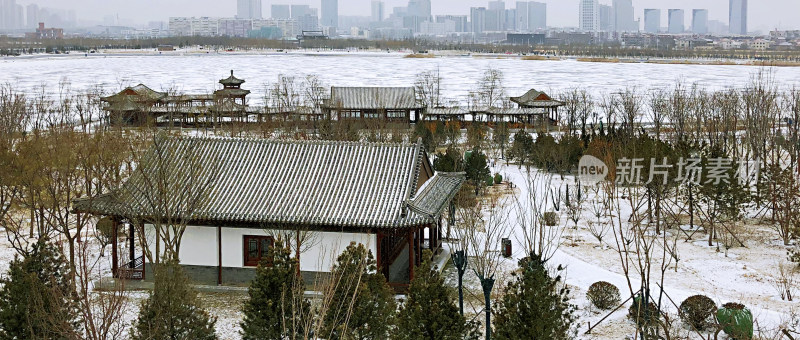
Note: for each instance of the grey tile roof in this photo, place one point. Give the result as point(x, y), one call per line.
point(322, 183)
point(446, 111)
point(433, 197)
point(372, 98)
point(531, 98)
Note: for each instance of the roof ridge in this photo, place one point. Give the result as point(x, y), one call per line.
point(292, 141)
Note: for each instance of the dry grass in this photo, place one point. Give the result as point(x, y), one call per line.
point(420, 55)
point(540, 57)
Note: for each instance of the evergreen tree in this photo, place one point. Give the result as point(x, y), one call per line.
point(534, 306)
point(450, 161)
point(37, 300)
point(362, 304)
point(521, 148)
point(477, 169)
point(172, 311)
point(429, 311)
point(276, 308)
point(500, 137)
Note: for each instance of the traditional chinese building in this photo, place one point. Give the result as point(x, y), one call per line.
point(390, 104)
point(140, 105)
point(385, 196)
point(535, 107)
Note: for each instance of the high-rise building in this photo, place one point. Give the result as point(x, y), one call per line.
point(280, 12)
point(623, 16)
point(248, 9)
point(511, 16)
point(32, 16)
point(737, 17)
point(423, 9)
point(300, 10)
point(700, 21)
point(477, 19)
point(460, 22)
point(9, 15)
point(652, 20)
point(330, 13)
point(377, 10)
point(537, 15)
point(588, 15)
point(605, 18)
point(676, 21)
point(521, 16)
point(496, 16)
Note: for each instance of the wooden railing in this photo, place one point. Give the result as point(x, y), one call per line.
point(134, 270)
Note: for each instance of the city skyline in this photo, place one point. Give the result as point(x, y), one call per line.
point(560, 13)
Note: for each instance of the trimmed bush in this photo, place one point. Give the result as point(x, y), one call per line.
point(603, 295)
point(550, 218)
point(736, 320)
point(698, 311)
point(489, 181)
point(641, 315)
point(498, 178)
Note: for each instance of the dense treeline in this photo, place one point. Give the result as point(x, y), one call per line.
point(15, 46)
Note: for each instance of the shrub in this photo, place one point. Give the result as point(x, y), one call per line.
point(489, 181)
point(698, 311)
point(736, 320)
point(498, 178)
point(642, 316)
point(550, 218)
point(603, 295)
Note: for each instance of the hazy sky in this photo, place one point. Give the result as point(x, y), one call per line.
point(763, 14)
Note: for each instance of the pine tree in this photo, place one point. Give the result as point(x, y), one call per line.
point(172, 311)
point(37, 299)
point(362, 304)
point(534, 306)
point(276, 308)
point(477, 169)
point(429, 311)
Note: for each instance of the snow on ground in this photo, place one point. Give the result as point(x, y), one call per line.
point(743, 275)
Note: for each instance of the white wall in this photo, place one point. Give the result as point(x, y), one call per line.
point(199, 246)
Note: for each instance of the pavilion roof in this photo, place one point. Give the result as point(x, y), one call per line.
point(231, 80)
point(534, 98)
point(372, 98)
point(315, 183)
point(139, 93)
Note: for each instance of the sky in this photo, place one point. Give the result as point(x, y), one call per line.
point(764, 15)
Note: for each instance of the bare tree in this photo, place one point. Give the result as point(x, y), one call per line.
point(428, 87)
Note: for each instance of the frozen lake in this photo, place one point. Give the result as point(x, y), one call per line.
point(199, 73)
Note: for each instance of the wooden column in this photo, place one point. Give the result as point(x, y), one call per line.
point(219, 255)
point(114, 263)
point(132, 235)
point(410, 237)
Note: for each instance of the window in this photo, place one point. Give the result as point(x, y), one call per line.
point(255, 248)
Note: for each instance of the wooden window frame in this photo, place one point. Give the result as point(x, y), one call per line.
point(246, 260)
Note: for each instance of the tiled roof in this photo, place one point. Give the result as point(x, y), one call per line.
point(321, 183)
point(530, 99)
point(141, 92)
point(231, 80)
point(372, 98)
point(434, 195)
point(445, 111)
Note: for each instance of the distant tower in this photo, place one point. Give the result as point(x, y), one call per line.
point(652, 20)
point(377, 10)
point(737, 18)
point(248, 9)
point(700, 21)
point(537, 15)
point(676, 21)
point(623, 16)
point(588, 15)
point(330, 13)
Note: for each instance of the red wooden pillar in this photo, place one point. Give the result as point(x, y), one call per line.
point(132, 251)
point(114, 263)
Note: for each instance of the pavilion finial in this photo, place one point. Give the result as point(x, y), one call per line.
point(231, 73)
